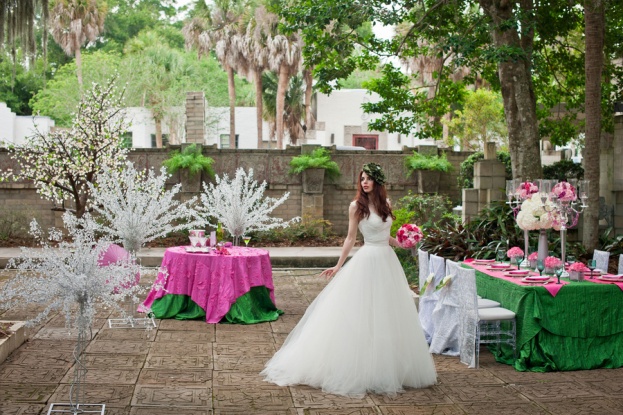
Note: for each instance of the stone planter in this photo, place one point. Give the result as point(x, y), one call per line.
point(428, 181)
point(15, 339)
point(313, 180)
point(190, 184)
point(576, 276)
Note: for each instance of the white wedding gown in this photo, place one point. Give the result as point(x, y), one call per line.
point(362, 333)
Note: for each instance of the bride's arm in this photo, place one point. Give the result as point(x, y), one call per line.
point(349, 242)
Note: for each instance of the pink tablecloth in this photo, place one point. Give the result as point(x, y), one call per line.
point(213, 281)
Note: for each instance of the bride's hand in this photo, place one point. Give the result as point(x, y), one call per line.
point(329, 273)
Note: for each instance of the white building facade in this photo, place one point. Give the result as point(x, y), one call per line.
point(14, 129)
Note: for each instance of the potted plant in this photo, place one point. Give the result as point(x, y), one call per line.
point(428, 170)
point(314, 166)
point(191, 163)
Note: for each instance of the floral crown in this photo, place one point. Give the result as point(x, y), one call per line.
point(374, 171)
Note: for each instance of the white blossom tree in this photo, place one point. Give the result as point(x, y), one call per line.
point(134, 207)
point(63, 163)
point(240, 205)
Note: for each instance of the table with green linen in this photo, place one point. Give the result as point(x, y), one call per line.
point(581, 327)
point(233, 285)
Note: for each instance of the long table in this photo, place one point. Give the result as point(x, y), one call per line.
point(580, 326)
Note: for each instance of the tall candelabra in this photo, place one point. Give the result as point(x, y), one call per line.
point(517, 191)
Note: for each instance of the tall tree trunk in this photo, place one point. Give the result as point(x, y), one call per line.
point(259, 104)
point(309, 116)
point(158, 132)
point(282, 89)
point(594, 26)
point(79, 67)
point(517, 89)
point(231, 88)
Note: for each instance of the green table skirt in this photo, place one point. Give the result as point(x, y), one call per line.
point(253, 307)
point(580, 328)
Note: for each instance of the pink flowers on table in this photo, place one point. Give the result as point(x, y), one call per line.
point(527, 189)
point(409, 235)
point(579, 267)
point(565, 192)
point(552, 262)
point(533, 256)
point(514, 252)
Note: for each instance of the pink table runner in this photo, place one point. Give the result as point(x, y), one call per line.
point(213, 281)
point(552, 286)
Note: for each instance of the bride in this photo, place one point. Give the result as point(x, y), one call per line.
point(362, 332)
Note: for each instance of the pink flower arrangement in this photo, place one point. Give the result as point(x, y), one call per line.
point(514, 252)
point(409, 235)
point(565, 192)
point(527, 189)
point(533, 256)
point(579, 267)
point(552, 262)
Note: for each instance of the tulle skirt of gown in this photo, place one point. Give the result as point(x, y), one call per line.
point(362, 333)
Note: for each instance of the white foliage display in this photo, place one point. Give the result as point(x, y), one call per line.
point(240, 205)
point(69, 275)
point(134, 207)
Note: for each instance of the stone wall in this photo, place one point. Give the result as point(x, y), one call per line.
point(269, 165)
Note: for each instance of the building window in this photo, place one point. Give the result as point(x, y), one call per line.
point(367, 141)
point(126, 139)
point(225, 141)
point(165, 140)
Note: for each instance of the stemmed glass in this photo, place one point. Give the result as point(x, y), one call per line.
point(500, 255)
point(540, 265)
point(559, 269)
point(246, 240)
point(570, 259)
point(519, 260)
point(592, 264)
point(193, 241)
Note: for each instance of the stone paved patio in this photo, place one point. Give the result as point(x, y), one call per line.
point(192, 368)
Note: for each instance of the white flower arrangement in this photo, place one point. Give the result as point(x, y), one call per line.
point(446, 281)
point(533, 215)
point(427, 283)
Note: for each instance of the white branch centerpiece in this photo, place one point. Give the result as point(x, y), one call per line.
point(71, 278)
point(240, 205)
point(133, 207)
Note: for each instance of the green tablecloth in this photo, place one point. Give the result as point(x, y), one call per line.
point(253, 307)
point(580, 328)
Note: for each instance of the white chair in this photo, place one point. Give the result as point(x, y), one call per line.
point(446, 315)
point(429, 297)
point(486, 303)
point(422, 257)
point(481, 326)
point(620, 271)
point(601, 258)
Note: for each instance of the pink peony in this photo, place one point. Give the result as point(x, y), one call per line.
point(527, 189)
point(565, 192)
point(533, 256)
point(514, 252)
point(552, 262)
point(578, 266)
point(409, 235)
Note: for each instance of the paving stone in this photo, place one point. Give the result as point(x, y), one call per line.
point(232, 399)
point(243, 328)
point(285, 324)
point(151, 410)
point(121, 361)
point(239, 363)
point(179, 362)
point(114, 376)
point(475, 377)
point(251, 411)
point(20, 409)
point(585, 406)
point(196, 396)
point(280, 338)
point(236, 378)
point(174, 349)
point(244, 337)
point(487, 393)
point(28, 375)
point(266, 348)
point(182, 336)
point(185, 325)
point(421, 410)
point(31, 393)
point(118, 347)
point(39, 345)
point(126, 334)
point(549, 391)
point(110, 395)
point(430, 396)
point(61, 333)
point(308, 397)
point(506, 408)
point(61, 359)
point(175, 377)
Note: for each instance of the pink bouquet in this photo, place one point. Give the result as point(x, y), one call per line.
point(527, 189)
point(514, 252)
point(552, 262)
point(409, 235)
point(533, 256)
point(565, 192)
point(579, 267)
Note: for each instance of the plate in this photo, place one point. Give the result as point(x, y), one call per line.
point(499, 266)
point(595, 272)
point(616, 278)
point(506, 268)
point(536, 278)
point(518, 273)
point(483, 261)
point(534, 282)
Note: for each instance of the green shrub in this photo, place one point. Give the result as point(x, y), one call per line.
point(318, 230)
point(320, 158)
point(426, 209)
point(563, 170)
point(466, 171)
point(190, 158)
point(14, 224)
point(419, 161)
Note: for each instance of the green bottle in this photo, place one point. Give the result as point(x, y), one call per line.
point(219, 232)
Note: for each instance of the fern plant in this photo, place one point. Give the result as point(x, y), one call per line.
point(191, 159)
point(320, 158)
point(419, 161)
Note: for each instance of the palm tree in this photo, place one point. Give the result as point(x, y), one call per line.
point(17, 20)
point(294, 109)
point(74, 22)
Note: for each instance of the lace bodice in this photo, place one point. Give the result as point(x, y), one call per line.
point(374, 230)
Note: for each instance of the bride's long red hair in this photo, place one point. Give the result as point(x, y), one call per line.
point(379, 201)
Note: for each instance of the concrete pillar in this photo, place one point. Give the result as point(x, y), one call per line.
point(195, 117)
point(489, 184)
